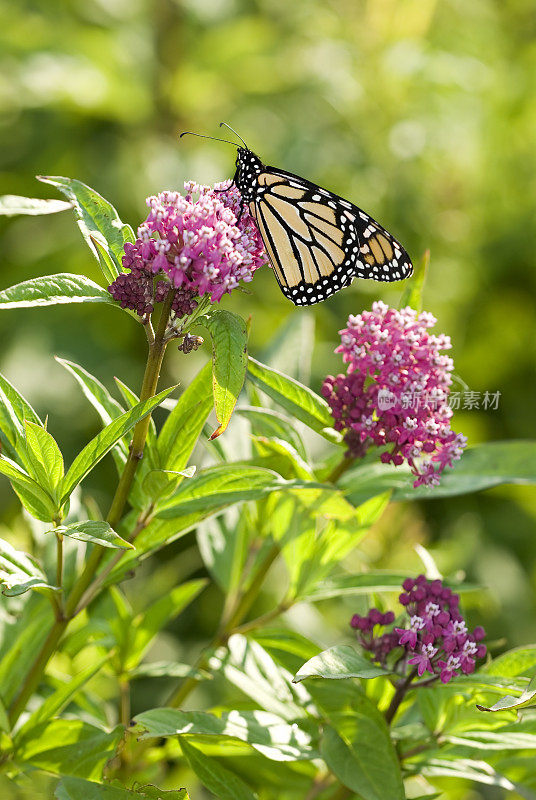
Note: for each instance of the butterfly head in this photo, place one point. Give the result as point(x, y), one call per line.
point(248, 166)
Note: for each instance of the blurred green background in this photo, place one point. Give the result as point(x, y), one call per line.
point(421, 112)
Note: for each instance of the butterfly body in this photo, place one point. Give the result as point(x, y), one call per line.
point(317, 242)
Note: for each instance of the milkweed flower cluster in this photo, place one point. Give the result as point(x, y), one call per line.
point(395, 391)
point(195, 243)
point(434, 638)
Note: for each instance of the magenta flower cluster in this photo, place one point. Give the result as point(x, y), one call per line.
point(195, 243)
point(435, 638)
point(395, 391)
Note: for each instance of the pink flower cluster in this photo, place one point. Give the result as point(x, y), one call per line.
point(436, 639)
point(193, 243)
point(395, 391)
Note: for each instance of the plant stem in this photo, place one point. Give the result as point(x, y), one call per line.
point(399, 695)
point(227, 628)
point(59, 560)
point(340, 469)
point(34, 676)
point(150, 380)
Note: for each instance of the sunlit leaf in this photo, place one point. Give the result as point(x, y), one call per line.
point(51, 290)
point(300, 401)
point(12, 204)
point(220, 781)
point(94, 531)
point(339, 662)
point(229, 361)
point(97, 218)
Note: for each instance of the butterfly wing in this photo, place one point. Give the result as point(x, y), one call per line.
point(318, 242)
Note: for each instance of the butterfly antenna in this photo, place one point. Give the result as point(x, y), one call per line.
point(235, 133)
point(203, 136)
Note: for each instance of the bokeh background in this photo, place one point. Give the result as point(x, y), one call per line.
point(421, 111)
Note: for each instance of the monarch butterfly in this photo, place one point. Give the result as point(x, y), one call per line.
point(317, 242)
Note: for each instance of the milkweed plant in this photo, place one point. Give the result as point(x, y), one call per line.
point(409, 701)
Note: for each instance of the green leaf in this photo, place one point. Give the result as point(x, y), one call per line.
point(162, 482)
point(68, 747)
point(229, 362)
point(145, 627)
point(105, 440)
point(478, 771)
point(34, 499)
point(249, 667)
point(218, 486)
point(481, 467)
point(59, 699)
point(300, 401)
point(167, 669)
point(223, 783)
point(19, 572)
point(414, 287)
point(223, 544)
point(339, 662)
point(357, 748)
point(518, 661)
point(14, 410)
point(273, 424)
point(50, 290)
point(501, 739)
point(12, 204)
point(367, 583)
point(45, 458)
point(267, 733)
point(70, 788)
point(97, 219)
point(94, 531)
point(184, 424)
point(527, 698)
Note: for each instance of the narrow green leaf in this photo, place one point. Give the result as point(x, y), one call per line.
point(94, 531)
point(68, 747)
point(367, 583)
point(273, 424)
point(339, 662)
point(357, 748)
point(160, 483)
point(223, 783)
point(51, 290)
point(518, 661)
point(223, 544)
point(501, 739)
point(300, 401)
point(481, 467)
point(267, 733)
point(21, 409)
point(249, 667)
point(167, 669)
point(414, 288)
point(131, 398)
point(97, 218)
point(19, 572)
point(59, 699)
point(70, 788)
point(11, 205)
point(469, 769)
point(229, 361)
point(218, 486)
point(509, 702)
point(34, 499)
point(45, 458)
point(184, 424)
point(105, 440)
